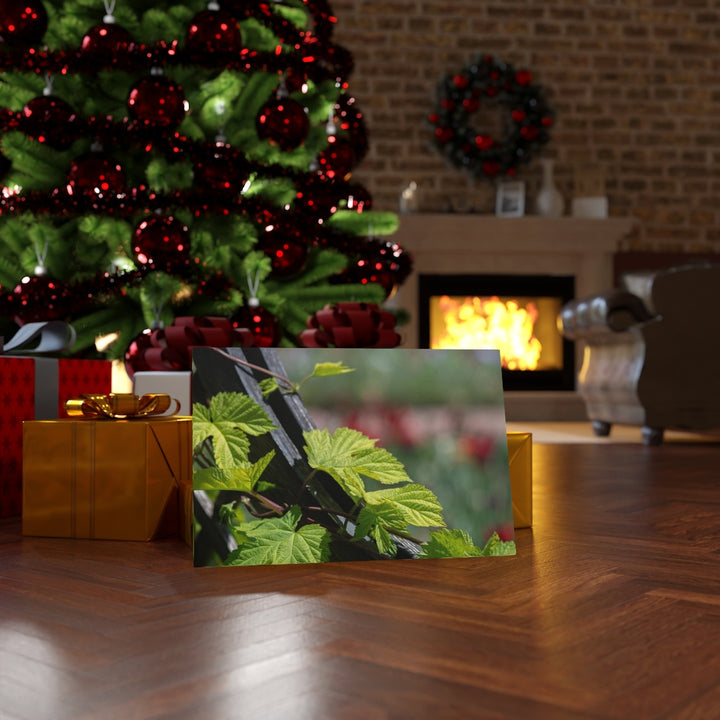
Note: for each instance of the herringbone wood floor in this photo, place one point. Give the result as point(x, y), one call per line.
point(611, 609)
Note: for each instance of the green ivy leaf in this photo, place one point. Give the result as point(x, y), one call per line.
point(417, 504)
point(326, 369)
point(228, 421)
point(446, 543)
point(278, 541)
point(240, 477)
point(348, 454)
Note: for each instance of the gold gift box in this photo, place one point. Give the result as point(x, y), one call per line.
point(520, 456)
point(105, 479)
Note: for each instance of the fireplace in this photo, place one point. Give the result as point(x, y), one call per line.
point(581, 248)
point(515, 314)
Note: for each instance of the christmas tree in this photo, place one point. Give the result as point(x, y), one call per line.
point(188, 160)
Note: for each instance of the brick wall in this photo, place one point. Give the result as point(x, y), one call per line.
point(635, 86)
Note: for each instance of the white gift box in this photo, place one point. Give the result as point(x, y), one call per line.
point(176, 384)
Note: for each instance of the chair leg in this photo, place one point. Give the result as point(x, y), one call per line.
point(652, 436)
point(601, 428)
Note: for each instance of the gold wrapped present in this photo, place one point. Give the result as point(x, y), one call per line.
point(520, 456)
point(114, 479)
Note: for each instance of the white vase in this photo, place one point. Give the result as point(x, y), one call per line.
point(549, 201)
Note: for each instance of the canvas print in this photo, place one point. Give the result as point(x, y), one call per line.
point(321, 455)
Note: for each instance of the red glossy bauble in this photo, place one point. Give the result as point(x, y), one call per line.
point(47, 119)
point(22, 22)
point(212, 31)
point(337, 160)
point(263, 325)
point(38, 298)
point(135, 354)
point(95, 175)
point(157, 102)
point(105, 41)
point(220, 171)
point(162, 241)
point(284, 123)
point(286, 249)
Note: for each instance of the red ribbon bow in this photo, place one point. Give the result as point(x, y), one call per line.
point(171, 347)
point(351, 324)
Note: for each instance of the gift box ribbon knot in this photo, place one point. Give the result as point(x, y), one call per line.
point(118, 406)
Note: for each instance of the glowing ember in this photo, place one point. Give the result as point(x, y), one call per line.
point(475, 322)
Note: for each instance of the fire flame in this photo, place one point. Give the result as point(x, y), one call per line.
point(491, 322)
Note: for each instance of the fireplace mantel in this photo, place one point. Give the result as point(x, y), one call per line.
point(485, 244)
point(467, 244)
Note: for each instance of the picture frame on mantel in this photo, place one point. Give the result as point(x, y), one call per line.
point(510, 199)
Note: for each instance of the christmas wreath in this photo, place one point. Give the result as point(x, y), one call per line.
point(487, 81)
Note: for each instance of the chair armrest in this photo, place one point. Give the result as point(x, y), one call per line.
point(615, 311)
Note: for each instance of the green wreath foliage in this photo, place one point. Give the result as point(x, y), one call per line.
point(489, 82)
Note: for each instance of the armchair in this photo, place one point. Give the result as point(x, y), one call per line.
point(651, 351)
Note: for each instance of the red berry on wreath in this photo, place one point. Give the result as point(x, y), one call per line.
point(284, 123)
point(22, 23)
point(444, 134)
point(157, 101)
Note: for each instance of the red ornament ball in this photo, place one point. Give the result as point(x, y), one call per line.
point(212, 31)
point(221, 171)
point(286, 249)
point(157, 102)
point(263, 325)
point(135, 354)
point(38, 298)
point(22, 22)
point(46, 119)
point(95, 175)
point(161, 240)
point(105, 42)
point(337, 160)
point(284, 123)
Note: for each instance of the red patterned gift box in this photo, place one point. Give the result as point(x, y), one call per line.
point(17, 403)
point(36, 388)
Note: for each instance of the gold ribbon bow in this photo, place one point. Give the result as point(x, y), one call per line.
point(120, 405)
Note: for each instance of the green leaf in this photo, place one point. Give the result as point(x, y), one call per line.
point(242, 411)
point(228, 421)
point(278, 541)
point(417, 504)
point(268, 386)
point(326, 369)
point(496, 547)
point(348, 454)
point(372, 525)
point(230, 449)
point(241, 477)
point(383, 540)
point(449, 543)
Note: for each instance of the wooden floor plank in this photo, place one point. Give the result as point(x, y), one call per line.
point(610, 610)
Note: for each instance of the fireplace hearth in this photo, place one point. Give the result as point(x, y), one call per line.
point(515, 314)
